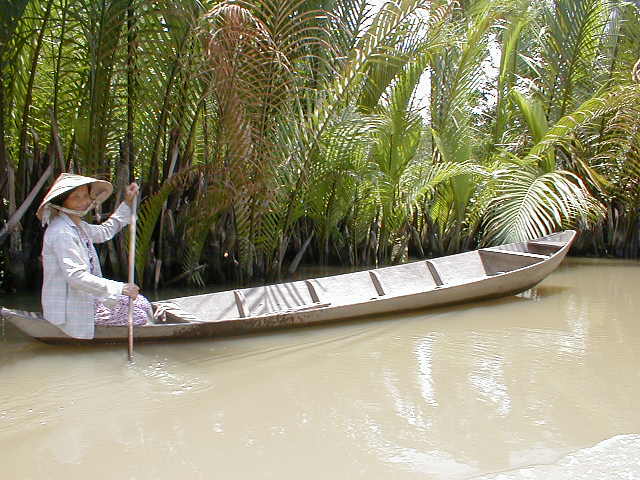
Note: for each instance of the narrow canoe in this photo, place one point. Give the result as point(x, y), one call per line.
point(484, 273)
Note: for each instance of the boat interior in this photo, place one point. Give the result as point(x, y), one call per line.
point(361, 286)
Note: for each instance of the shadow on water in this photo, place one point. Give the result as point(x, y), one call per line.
point(15, 346)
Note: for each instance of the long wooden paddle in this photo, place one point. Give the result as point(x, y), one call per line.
point(132, 266)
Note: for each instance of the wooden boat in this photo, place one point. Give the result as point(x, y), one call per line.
point(484, 273)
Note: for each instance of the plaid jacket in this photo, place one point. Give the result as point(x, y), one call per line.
point(69, 289)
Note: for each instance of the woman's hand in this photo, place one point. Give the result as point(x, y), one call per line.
point(131, 290)
point(130, 193)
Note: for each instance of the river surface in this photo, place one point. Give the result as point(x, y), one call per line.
point(544, 385)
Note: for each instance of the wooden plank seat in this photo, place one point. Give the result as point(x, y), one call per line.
point(377, 283)
point(434, 273)
point(544, 247)
point(498, 261)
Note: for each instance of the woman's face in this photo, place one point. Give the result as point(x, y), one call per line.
point(79, 199)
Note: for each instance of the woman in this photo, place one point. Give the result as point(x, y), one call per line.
point(75, 297)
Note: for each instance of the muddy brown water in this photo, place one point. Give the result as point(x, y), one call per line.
point(543, 385)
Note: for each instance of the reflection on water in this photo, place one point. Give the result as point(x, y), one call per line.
point(539, 386)
point(614, 458)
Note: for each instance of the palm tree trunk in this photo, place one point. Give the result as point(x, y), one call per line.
point(154, 170)
point(56, 74)
point(24, 130)
point(16, 266)
point(131, 37)
point(4, 161)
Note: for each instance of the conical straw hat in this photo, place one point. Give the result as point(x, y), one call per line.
point(99, 190)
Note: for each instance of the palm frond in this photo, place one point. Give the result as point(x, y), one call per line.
point(148, 216)
point(532, 110)
point(576, 29)
point(591, 109)
point(534, 203)
point(516, 22)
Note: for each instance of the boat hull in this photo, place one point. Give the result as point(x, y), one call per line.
point(492, 285)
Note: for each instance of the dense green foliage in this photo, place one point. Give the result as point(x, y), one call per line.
point(272, 132)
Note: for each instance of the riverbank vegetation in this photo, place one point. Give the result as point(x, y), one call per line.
point(268, 133)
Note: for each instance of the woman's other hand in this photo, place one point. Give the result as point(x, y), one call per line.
point(130, 193)
point(131, 290)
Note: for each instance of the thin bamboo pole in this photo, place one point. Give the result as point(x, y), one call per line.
point(132, 267)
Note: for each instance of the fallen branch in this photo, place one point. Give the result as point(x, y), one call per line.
point(18, 214)
point(185, 274)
